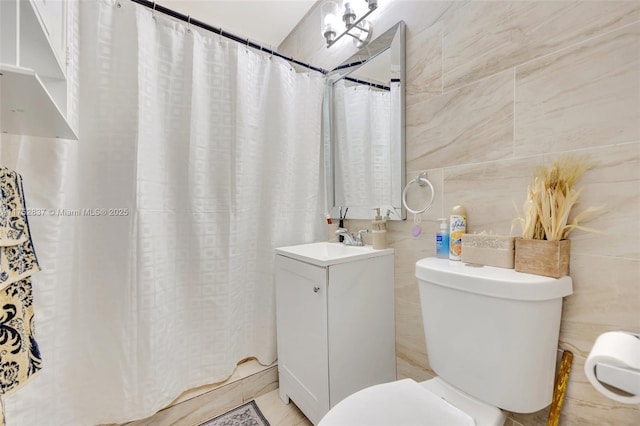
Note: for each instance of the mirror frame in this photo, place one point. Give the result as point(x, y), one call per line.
point(394, 39)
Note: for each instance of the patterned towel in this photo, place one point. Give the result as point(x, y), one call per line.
point(17, 257)
point(7, 234)
point(19, 354)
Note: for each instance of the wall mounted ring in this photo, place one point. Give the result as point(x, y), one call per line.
point(422, 181)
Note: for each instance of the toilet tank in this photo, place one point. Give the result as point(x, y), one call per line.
point(492, 332)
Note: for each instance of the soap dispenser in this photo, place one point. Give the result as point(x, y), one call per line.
point(379, 231)
point(442, 239)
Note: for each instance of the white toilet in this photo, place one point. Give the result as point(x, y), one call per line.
point(492, 337)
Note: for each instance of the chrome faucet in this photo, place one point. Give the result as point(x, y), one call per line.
point(351, 239)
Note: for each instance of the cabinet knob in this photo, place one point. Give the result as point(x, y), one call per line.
point(316, 289)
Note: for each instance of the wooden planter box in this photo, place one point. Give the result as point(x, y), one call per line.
point(541, 257)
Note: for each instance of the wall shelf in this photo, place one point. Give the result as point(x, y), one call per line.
point(33, 85)
point(27, 107)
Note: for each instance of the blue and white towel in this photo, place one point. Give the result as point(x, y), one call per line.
point(19, 354)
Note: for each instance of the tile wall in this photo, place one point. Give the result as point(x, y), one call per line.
point(495, 88)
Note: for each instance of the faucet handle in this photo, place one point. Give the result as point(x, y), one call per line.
point(341, 231)
point(360, 232)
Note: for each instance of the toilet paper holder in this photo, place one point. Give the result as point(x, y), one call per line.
point(620, 379)
point(619, 382)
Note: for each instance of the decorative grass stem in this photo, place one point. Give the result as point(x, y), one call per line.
point(550, 199)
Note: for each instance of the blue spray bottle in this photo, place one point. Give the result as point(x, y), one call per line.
point(442, 240)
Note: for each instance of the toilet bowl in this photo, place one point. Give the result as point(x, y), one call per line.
point(408, 403)
point(492, 337)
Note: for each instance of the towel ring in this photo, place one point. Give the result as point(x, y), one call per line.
point(422, 181)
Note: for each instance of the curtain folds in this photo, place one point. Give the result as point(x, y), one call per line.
point(197, 157)
point(363, 146)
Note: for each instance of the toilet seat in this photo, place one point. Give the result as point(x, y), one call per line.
point(399, 403)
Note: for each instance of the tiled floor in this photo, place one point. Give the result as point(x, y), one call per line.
point(249, 381)
point(279, 414)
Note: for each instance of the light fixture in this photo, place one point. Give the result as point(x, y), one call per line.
point(357, 27)
point(329, 17)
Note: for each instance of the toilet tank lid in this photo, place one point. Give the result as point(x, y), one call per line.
point(492, 281)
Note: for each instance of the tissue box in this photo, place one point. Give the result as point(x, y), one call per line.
point(491, 250)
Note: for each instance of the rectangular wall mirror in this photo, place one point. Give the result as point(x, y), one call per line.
point(363, 127)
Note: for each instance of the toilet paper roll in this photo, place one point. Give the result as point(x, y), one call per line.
point(617, 352)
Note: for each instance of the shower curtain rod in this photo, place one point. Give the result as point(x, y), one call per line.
point(185, 18)
point(368, 83)
point(196, 23)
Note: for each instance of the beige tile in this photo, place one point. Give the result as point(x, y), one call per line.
point(579, 386)
point(245, 369)
point(424, 63)
point(489, 192)
point(259, 383)
point(252, 366)
point(587, 95)
point(532, 419)
point(486, 37)
point(605, 296)
point(354, 225)
point(416, 369)
point(278, 413)
point(418, 15)
point(578, 412)
point(411, 351)
point(463, 126)
point(192, 393)
point(614, 183)
point(593, 408)
point(418, 197)
point(197, 410)
point(410, 341)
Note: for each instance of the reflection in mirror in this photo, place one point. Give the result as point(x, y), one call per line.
point(364, 130)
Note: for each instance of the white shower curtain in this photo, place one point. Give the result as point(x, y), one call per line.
point(197, 157)
point(363, 146)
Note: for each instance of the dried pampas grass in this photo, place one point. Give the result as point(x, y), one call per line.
point(551, 196)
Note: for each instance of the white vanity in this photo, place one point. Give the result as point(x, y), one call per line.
point(335, 319)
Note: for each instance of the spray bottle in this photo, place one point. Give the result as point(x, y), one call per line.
point(457, 227)
point(442, 239)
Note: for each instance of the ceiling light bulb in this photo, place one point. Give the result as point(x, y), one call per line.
point(329, 33)
point(329, 21)
point(349, 15)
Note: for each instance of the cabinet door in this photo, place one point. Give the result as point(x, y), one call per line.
point(301, 298)
point(361, 326)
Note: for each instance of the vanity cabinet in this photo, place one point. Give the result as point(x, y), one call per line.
point(336, 332)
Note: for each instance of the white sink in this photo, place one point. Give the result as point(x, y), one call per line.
point(325, 254)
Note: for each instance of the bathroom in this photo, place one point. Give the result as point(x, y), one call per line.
point(493, 90)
